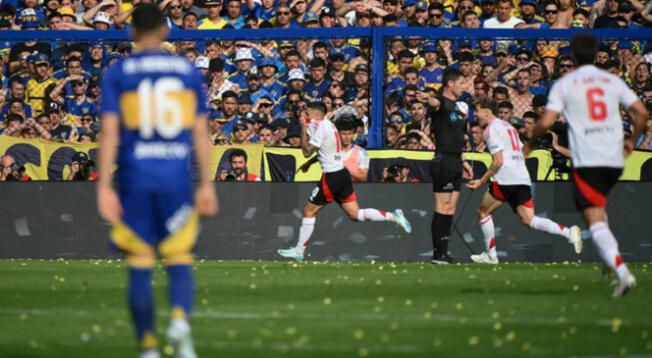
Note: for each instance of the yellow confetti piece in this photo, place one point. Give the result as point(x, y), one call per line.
point(327, 301)
point(526, 346)
point(231, 333)
point(377, 309)
point(363, 352)
point(97, 328)
point(358, 334)
point(291, 307)
point(23, 317)
point(498, 342)
point(379, 282)
point(474, 340)
point(168, 350)
point(510, 336)
point(572, 330)
point(615, 324)
point(622, 351)
point(427, 315)
point(327, 282)
point(434, 305)
point(498, 326)
point(459, 306)
point(408, 302)
point(290, 331)
point(252, 286)
point(381, 299)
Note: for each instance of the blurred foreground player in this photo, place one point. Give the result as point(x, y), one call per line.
point(153, 107)
point(319, 134)
point(590, 99)
point(511, 184)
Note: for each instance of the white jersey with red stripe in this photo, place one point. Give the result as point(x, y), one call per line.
point(590, 99)
point(501, 136)
point(326, 138)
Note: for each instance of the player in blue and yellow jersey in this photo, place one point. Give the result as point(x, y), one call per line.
point(153, 111)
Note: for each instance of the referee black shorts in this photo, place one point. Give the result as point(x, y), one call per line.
point(446, 172)
point(592, 185)
point(514, 195)
point(333, 186)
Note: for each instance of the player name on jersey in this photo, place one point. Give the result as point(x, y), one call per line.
point(164, 64)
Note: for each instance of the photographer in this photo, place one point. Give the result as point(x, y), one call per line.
point(398, 173)
point(82, 168)
point(238, 172)
point(12, 171)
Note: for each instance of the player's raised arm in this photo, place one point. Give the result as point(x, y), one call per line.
point(306, 148)
point(206, 198)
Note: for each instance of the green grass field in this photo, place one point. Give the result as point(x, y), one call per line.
point(280, 309)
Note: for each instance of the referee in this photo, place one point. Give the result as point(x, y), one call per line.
point(449, 124)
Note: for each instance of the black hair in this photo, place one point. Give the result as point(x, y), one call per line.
point(405, 54)
point(237, 153)
point(506, 104)
point(190, 13)
point(585, 47)
point(487, 103)
point(412, 70)
point(450, 75)
point(14, 117)
point(530, 114)
point(501, 90)
point(345, 124)
point(147, 18)
point(318, 106)
point(73, 59)
point(317, 62)
point(229, 94)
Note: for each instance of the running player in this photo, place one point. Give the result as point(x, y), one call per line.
point(511, 184)
point(590, 99)
point(447, 168)
point(154, 108)
point(319, 134)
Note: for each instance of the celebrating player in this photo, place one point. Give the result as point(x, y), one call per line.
point(590, 100)
point(447, 167)
point(153, 106)
point(511, 184)
point(319, 134)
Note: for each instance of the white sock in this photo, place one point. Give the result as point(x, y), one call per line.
point(488, 231)
point(608, 248)
point(307, 226)
point(374, 215)
point(549, 226)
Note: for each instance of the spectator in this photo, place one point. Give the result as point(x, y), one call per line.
point(10, 170)
point(82, 168)
point(238, 168)
point(36, 86)
point(213, 20)
point(503, 18)
point(477, 139)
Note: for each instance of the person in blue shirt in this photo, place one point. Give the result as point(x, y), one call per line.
point(77, 104)
point(243, 60)
point(431, 74)
point(73, 68)
point(153, 113)
point(233, 14)
point(318, 84)
point(265, 10)
point(255, 90)
point(340, 46)
point(267, 68)
point(30, 14)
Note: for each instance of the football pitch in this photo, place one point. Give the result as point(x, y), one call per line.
point(315, 309)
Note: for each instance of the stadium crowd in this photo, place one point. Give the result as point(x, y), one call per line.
point(258, 90)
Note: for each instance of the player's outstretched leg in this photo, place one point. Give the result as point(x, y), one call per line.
point(141, 305)
point(305, 232)
point(488, 232)
point(181, 294)
point(607, 246)
point(572, 234)
point(396, 217)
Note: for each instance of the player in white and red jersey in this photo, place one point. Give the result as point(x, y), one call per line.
point(511, 184)
point(320, 134)
point(590, 100)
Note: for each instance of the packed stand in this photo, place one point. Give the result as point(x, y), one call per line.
point(258, 89)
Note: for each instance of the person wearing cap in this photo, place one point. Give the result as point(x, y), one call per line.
point(327, 17)
point(59, 130)
point(337, 72)
point(267, 69)
point(244, 103)
point(432, 71)
point(255, 90)
point(201, 64)
point(37, 85)
point(318, 84)
point(361, 78)
point(243, 60)
point(234, 14)
point(82, 168)
point(503, 18)
point(409, 10)
point(219, 84)
point(263, 10)
point(30, 16)
point(311, 20)
point(50, 6)
point(216, 128)
point(68, 15)
point(213, 20)
point(78, 104)
point(241, 133)
point(529, 12)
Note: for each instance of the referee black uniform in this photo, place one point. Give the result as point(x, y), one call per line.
point(449, 126)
